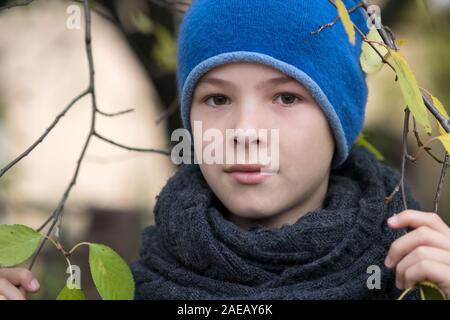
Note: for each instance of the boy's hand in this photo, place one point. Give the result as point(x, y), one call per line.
point(422, 254)
point(16, 282)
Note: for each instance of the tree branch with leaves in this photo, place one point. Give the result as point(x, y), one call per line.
point(379, 48)
point(17, 243)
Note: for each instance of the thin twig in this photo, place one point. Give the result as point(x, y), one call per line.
point(169, 111)
point(114, 114)
point(437, 196)
point(444, 122)
point(362, 35)
point(388, 39)
point(401, 185)
point(422, 148)
point(420, 144)
point(404, 153)
point(57, 215)
point(385, 35)
point(164, 152)
point(42, 137)
point(364, 38)
point(336, 20)
point(41, 245)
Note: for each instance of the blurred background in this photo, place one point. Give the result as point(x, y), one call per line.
point(43, 66)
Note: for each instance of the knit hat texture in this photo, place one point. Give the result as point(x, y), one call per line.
point(278, 33)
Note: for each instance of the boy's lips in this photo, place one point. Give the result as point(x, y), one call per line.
point(248, 174)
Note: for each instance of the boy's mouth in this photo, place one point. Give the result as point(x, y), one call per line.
point(248, 174)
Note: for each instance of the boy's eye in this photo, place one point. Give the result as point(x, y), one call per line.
point(287, 98)
point(216, 100)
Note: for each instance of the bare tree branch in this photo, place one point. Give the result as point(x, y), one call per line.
point(114, 114)
point(164, 152)
point(57, 215)
point(42, 137)
point(437, 196)
point(169, 111)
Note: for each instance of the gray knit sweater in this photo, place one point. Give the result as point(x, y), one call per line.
point(195, 252)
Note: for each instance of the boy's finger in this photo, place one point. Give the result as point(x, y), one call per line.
point(421, 253)
point(10, 292)
point(22, 290)
point(428, 270)
point(20, 277)
point(415, 219)
point(422, 236)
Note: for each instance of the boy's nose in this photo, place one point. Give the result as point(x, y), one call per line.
point(246, 137)
point(247, 125)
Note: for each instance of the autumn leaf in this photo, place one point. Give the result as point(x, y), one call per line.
point(410, 90)
point(445, 140)
point(346, 21)
point(371, 61)
point(440, 107)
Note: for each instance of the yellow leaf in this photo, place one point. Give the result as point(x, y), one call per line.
point(438, 104)
point(371, 61)
point(410, 90)
point(440, 107)
point(445, 139)
point(346, 21)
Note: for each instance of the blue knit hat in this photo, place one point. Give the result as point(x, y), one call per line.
point(277, 33)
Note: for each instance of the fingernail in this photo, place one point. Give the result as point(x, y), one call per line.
point(34, 285)
point(388, 262)
point(392, 220)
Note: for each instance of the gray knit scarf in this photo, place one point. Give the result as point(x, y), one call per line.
point(194, 252)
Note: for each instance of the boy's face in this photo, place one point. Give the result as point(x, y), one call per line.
point(245, 97)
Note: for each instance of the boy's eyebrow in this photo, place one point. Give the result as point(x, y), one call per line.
point(277, 80)
point(272, 81)
point(216, 81)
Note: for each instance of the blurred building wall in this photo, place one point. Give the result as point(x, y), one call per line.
point(43, 66)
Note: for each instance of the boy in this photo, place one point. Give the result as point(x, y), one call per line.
point(315, 228)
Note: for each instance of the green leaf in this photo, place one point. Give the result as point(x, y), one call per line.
point(346, 21)
point(430, 291)
point(111, 274)
point(371, 61)
point(410, 90)
point(366, 144)
point(71, 294)
point(17, 244)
